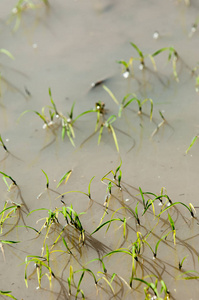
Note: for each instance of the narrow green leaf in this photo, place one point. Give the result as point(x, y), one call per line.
point(64, 177)
point(6, 52)
point(192, 143)
point(110, 94)
point(9, 177)
point(47, 180)
point(138, 50)
point(105, 223)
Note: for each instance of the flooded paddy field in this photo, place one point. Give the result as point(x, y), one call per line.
point(99, 149)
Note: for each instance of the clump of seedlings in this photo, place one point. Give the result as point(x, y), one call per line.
point(14, 186)
point(128, 66)
point(63, 234)
point(126, 102)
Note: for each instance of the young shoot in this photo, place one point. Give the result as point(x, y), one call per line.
point(192, 143)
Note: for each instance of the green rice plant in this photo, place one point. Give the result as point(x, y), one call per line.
point(22, 6)
point(80, 192)
point(3, 144)
point(133, 255)
point(47, 185)
point(126, 102)
point(159, 125)
point(8, 212)
point(173, 228)
point(116, 181)
point(55, 120)
point(153, 287)
point(64, 177)
point(101, 261)
point(197, 84)
point(144, 240)
point(8, 176)
point(6, 242)
point(190, 208)
point(189, 275)
point(192, 143)
point(107, 281)
point(81, 278)
point(14, 185)
point(150, 202)
point(49, 221)
point(181, 262)
point(72, 218)
point(108, 124)
point(71, 280)
point(7, 294)
point(108, 222)
point(128, 66)
point(6, 52)
point(111, 94)
point(40, 263)
point(172, 56)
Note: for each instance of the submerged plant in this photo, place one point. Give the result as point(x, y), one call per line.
point(22, 6)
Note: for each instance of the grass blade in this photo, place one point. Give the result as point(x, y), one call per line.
point(138, 50)
point(7, 176)
point(110, 94)
point(65, 177)
point(6, 52)
point(47, 180)
point(192, 143)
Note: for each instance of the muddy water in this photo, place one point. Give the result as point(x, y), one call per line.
point(66, 47)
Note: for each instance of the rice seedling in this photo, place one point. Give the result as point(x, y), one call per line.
point(49, 221)
point(6, 52)
point(160, 124)
point(6, 242)
point(189, 275)
point(108, 222)
point(14, 185)
point(173, 228)
point(8, 212)
point(55, 120)
point(3, 144)
point(109, 282)
point(108, 124)
point(190, 208)
point(181, 262)
point(64, 178)
point(153, 287)
point(194, 27)
point(40, 263)
point(71, 280)
point(7, 294)
point(192, 143)
point(72, 218)
point(172, 56)
point(22, 6)
point(128, 66)
point(125, 102)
